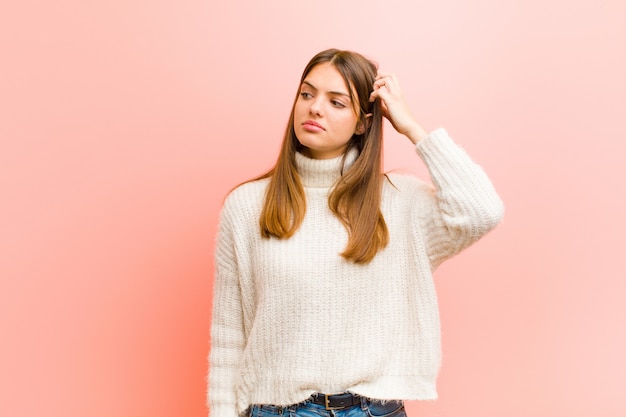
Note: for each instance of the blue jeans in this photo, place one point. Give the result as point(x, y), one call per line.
point(367, 408)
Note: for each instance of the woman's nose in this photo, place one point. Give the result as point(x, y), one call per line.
point(315, 108)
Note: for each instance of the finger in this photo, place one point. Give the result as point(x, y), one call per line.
point(376, 92)
point(385, 83)
point(388, 80)
point(381, 90)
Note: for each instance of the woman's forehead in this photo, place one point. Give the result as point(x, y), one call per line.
point(327, 78)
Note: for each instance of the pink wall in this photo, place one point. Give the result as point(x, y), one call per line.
point(123, 123)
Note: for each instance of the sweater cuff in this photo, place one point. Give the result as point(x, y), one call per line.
point(223, 411)
point(448, 164)
point(434, 138)
point(439, 150)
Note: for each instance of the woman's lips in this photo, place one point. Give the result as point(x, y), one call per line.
point(312, 126)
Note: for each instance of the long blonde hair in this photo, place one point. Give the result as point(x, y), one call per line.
point(355, 198)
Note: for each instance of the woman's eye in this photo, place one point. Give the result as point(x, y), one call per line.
point(305, 94)
point(338, 104)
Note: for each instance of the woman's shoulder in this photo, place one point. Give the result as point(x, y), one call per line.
point(406, 183)
point(248, 196)
point(404, 195)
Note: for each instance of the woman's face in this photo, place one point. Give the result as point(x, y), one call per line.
point(324, 116)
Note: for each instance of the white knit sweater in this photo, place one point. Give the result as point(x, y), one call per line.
point(292, 317)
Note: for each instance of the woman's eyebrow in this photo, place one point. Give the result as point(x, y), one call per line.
point(338, 93)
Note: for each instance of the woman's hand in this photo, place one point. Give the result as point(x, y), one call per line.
point(395, 107)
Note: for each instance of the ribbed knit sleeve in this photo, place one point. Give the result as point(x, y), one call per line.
point(227, 332)
point(466, 203)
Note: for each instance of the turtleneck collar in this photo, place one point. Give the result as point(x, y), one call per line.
point(322, 173)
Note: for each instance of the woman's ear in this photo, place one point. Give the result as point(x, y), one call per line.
point(363, 124)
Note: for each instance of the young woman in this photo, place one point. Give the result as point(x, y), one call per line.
point(324, 302)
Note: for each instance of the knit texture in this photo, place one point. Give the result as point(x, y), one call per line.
point(292, 317)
